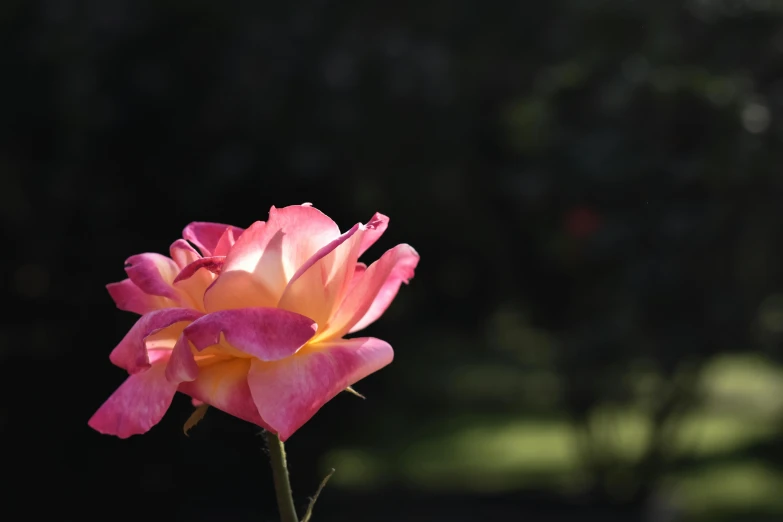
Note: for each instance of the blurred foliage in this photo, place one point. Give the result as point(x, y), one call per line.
point(595, 328)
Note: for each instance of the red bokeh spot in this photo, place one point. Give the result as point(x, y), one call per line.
point(582, 222)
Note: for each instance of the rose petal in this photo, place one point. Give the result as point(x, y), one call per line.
point(305, 230)
point(401, 273)
point(396, 264)
point(290, 391)
point(213, 264)
point(206, 235)
point(153, 274)
point(131, 353)
point(182, 365)
point(266, 333)
point(358, 272)
point(182, 253)
point(137, 405)
point(223, 385)
point(160, 343)
point(267, 255)
point(375, 229)
point(237, 289)
point(319, 284)
point(226, 241)
point(191, 289)
point(130, 298)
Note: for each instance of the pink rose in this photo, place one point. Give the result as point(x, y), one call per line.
point(255, 325)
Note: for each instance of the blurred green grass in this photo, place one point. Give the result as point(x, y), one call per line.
point(741, 407)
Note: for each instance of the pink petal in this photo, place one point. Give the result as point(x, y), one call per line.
point(182, 253)
point(206, 235)
point(401, 273)
point(226, 241)
point(161, 343)
point(267, 255)
point(302, 231)
point(236, 286)
point(358, 272)
point(130, 298)
point(395, 266)
point(153, 274)
point(137, 405)
point(237, 289)
point(213, 264)
point(191, 289)
point(319, 284)
point(376, 227)
point(290, 391)
point(131, 353)
point(182, 365)
point(266, 333)
point(223, 385)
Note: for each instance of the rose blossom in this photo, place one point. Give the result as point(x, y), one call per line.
point(255, 325)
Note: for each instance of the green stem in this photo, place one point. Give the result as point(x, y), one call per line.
point(285, 499)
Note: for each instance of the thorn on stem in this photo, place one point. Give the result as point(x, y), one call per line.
point(310, 507)
point(354, 392)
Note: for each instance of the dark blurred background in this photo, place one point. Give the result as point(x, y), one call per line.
point(594, 331)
